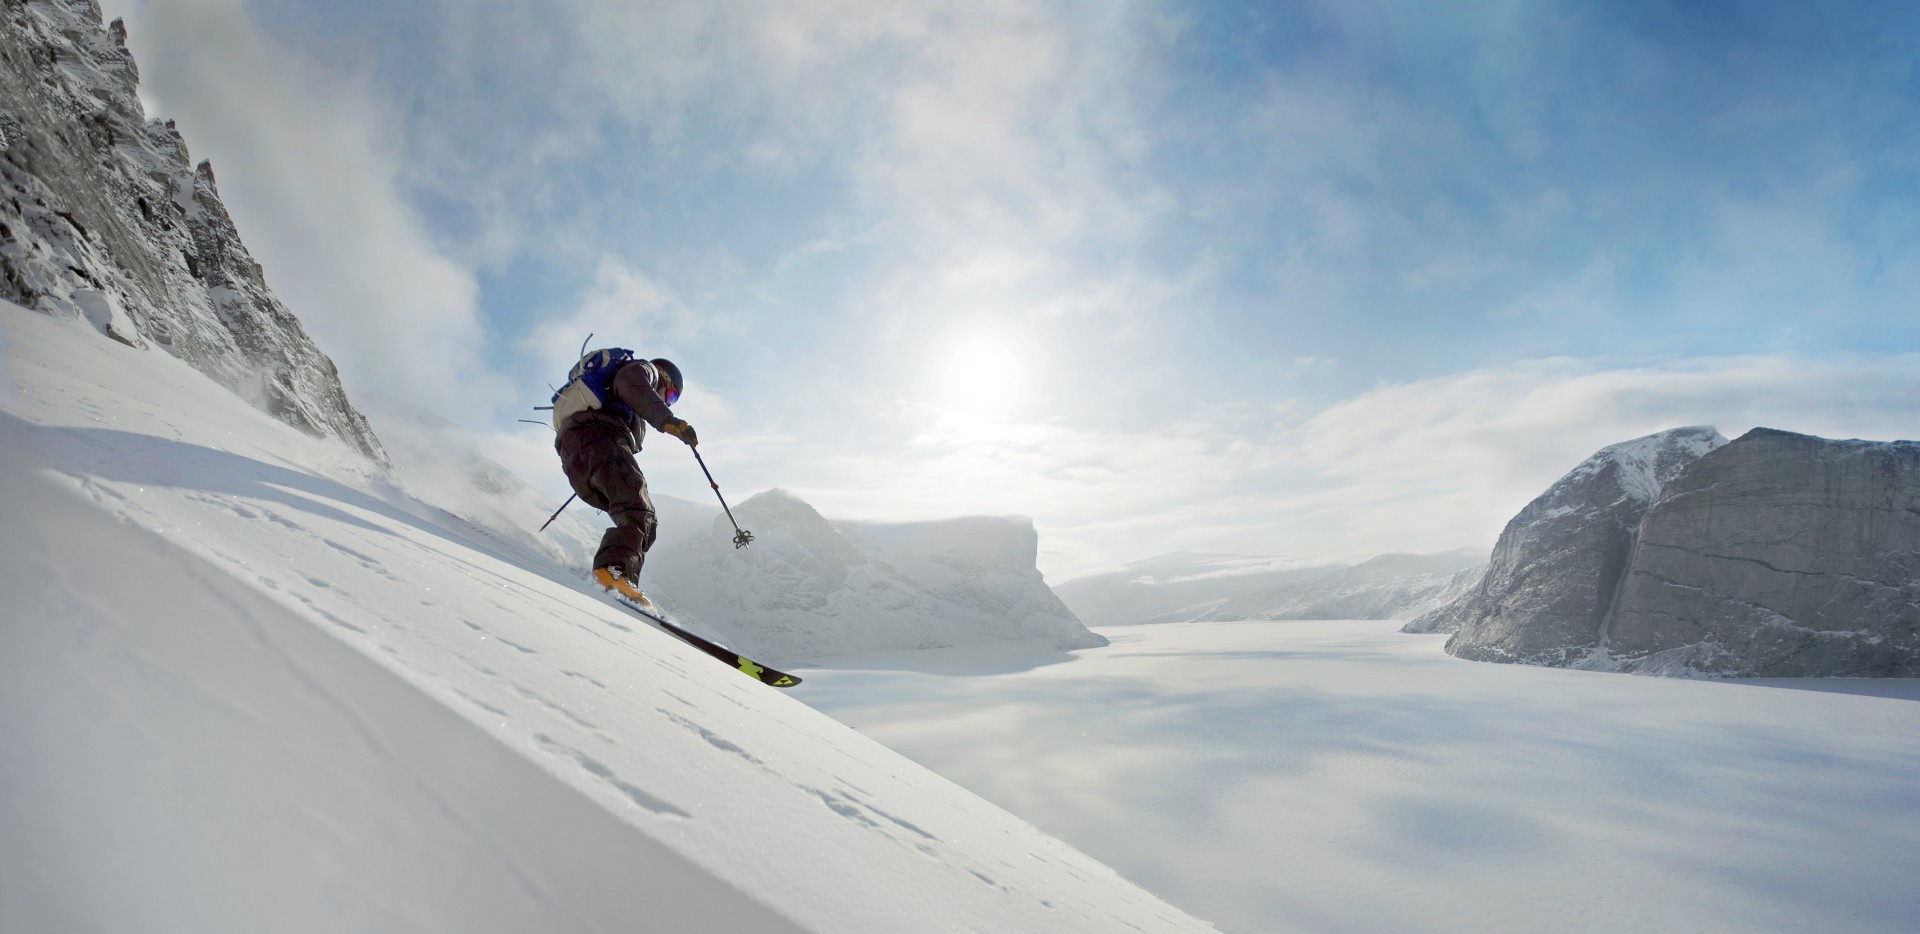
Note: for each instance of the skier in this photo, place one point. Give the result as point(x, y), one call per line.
point(601, 417)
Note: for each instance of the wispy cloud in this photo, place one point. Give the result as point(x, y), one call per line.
point(1430, 465)
point(1445, 462)
point(621, 307)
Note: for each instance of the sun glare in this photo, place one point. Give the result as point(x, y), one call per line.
point(984, 370)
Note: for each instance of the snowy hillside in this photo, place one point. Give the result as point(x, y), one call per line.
point(1179, 588)
point(809, 588)
point(245, 684)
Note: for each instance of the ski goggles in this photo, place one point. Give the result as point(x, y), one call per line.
point(672, 394)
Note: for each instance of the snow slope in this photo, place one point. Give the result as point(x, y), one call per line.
point(247, 684)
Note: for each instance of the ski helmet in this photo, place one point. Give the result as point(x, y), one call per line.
point(670, 375)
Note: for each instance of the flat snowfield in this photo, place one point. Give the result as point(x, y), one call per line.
point(1342, 776)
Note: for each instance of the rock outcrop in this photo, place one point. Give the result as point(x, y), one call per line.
point(1780, 555)
point(1552, 576)
point(1776, 555)
point(105, 216)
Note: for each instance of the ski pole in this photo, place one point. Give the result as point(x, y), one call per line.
point(740, 536)
point(556, 513)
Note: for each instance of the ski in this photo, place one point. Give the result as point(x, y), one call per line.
point(747, 666)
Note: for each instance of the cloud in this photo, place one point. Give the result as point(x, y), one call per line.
point(945, 132)
point(1445, 462)
point(1225, 258)
point(308, 168)
point(1420, 466)
point(621, 308)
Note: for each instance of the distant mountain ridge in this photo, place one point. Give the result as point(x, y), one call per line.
point(1189, 587)
point(106, 217)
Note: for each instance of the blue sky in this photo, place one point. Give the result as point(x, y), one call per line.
point(1308, 278)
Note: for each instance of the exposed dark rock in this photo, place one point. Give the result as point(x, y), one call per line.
point(1780, 555)
point(1777, 555)
point(1553, 573)
point(107, 218)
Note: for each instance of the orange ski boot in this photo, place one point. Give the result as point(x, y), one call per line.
point(613, 580)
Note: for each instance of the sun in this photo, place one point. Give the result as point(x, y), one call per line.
point(982, 369)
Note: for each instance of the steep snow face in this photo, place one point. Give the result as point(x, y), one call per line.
point(1553, 573)
point(105, 218)
point(1191, 588)
point(258, 688)
point(810, 588)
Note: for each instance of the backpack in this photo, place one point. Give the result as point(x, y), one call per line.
point(588, 384)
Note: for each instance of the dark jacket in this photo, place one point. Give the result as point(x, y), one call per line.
point(632, 387)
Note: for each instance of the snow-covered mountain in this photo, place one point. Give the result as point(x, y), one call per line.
point(105, 217)
point(246, 683)
point(1187, 587)
point(810, 588)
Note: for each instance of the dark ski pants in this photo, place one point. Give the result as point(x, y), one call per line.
point(601, 470)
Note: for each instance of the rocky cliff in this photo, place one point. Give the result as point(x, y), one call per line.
point(1553, 572)
point(104, 215)
point(1776, 555)
point(1780, 555)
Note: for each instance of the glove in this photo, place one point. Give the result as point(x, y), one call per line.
point(679, 428)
